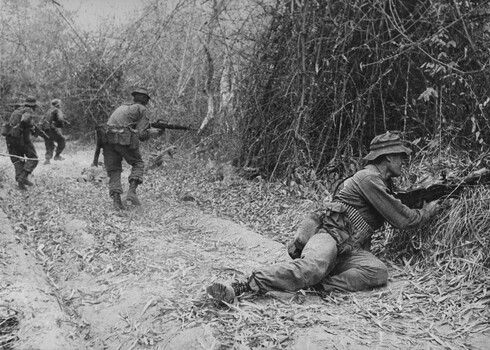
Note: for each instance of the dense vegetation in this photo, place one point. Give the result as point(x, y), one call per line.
point(326, 76)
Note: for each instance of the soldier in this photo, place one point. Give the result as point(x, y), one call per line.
point(52, 124)
point(127, 126)
point(19, 143)
point(336, 256)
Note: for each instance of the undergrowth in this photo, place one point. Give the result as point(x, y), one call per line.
point(443, 266)
point(458, 236)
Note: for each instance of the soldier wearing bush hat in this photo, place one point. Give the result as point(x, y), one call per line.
point(387, 143)
point(331, 250)
point(52, 125)
point(56, 102)
point(30, 101)
point(22, 152)
point(127, 126)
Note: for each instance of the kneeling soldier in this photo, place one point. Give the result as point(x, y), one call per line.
point(332, 250)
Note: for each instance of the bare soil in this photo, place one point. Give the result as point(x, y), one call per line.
point(75, 274)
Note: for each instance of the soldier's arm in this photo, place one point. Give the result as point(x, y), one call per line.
point(143, 124)
point(27, 120)
point(60, 117)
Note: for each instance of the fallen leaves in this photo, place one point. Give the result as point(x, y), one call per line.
point(155, 262)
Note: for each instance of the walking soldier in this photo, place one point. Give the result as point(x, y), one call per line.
point(127, 126)
point(19, 144)
point(52, 125)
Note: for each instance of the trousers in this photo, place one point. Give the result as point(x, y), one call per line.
point(22, 148)
point(320, 266)
point(113, 157)
point(55, 135)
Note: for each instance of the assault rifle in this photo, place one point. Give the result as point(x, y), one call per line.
point(40, 132)
point(159, 124)
point(415, 198)
point(99, 136)
point(162, 125)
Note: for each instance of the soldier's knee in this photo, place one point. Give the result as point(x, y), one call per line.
point(379, 273)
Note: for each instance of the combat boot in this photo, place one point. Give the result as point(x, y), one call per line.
point(47, 161)
point(131, 196)
point(58, 157)
point(23, 178)
point(228, 292)
point(118, 205)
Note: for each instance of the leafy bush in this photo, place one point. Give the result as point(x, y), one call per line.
point(329, 75)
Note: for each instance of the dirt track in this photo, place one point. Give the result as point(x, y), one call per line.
point(78, 275)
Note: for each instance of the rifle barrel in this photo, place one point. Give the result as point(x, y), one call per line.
point(163, 125)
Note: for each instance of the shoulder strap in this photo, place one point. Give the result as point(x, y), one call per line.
point(340, 183)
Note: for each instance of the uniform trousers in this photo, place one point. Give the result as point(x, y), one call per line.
point(113, 157)
point(320, 265)
point(55, 135)
point(20, 147)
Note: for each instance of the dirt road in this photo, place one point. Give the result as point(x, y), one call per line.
point(78, 275)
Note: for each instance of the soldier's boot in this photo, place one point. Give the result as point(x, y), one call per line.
point(131, 196)
point(58, 157)
point(228, 292)
point(23, 178)
point(47, 161)
point(21, 186)
point(117, 202)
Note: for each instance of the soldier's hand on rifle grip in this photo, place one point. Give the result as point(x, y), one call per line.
point(431, 207)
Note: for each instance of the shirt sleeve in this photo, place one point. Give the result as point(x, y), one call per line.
point(27, 120)
point(392, 209)
point(143, 124)
point(59, 116)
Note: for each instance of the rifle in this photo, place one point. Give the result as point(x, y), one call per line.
point(40, 132)
point(162, 125)
point(99, 136)
point(415, 198)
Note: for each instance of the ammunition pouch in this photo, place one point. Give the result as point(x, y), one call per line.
point(341, 221)
point(6, 129)
point(335, 221)
point(125, 136)
point(17, 131)
point(356, 233)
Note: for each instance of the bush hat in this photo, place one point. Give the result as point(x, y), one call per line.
point(56, 102)
point(141, 91)
point(30, 101)
point(387, 143)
